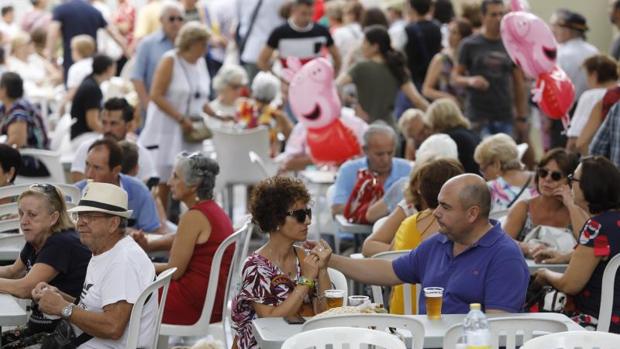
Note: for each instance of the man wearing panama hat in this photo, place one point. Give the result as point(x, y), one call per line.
point(117, 273)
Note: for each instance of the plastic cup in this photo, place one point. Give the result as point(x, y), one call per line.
point(335, 298)
point(434, 299)
point(358, 300)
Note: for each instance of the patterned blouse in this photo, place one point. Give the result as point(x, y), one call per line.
point(502, 194)
point(262, 282)
point(23, 111)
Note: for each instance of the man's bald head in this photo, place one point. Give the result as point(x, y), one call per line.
point(473, 191)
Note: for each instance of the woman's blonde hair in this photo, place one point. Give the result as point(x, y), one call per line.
point(84, 45)
point(55, 200)
point(408, 116)
point(191, 33)
point(499, 147)
point(444, 114)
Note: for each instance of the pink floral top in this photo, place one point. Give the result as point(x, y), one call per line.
point(262, 282)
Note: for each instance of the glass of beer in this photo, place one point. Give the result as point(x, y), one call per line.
point(434, 298)
point(335, 298)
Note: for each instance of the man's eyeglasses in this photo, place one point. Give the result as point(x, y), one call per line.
point(555, 175)
point(571, 178)
point(301, 214)
point(87, 217)
point(176, 18)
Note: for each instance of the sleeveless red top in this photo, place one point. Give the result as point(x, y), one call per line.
point(186, 296)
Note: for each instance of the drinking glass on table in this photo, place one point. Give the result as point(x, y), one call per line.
point(434, 299)
point(335, 298)
point(358, 300)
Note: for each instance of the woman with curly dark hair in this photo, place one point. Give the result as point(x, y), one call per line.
point(279, 279)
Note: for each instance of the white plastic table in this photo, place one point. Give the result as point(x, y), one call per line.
point(270, 333)
point(11, 313)
point(533, 266)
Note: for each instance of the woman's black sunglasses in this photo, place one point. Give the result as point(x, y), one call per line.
point(300, 215)
point(555, 175)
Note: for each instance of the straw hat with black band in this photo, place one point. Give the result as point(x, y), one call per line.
point(105, 198)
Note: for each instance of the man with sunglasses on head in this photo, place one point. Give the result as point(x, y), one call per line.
point(471, 258)
point(152, 48)
point(117, 274)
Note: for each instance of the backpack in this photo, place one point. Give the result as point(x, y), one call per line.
point(367, 190)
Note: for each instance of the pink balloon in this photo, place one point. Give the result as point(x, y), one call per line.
point(312, 92)
point(529, 42)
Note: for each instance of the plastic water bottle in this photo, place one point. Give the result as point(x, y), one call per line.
point(476, 328)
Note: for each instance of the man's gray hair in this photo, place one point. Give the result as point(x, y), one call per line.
point(198, 170)
point(379, 127)
point(168, 5)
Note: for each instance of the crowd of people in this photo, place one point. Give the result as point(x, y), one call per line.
point(439, 111)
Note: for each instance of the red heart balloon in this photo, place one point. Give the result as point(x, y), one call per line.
point(558, 93)
point(334, 143)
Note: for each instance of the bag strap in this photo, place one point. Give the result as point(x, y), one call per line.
point(244, 40)
point(527, 184)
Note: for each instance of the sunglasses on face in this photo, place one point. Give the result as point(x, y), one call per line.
point(555, 175)
point(300, 215)
point(176, 18)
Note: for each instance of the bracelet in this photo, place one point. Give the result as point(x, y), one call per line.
point(305, 281)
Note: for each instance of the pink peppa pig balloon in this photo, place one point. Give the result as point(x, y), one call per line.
point(529, 42)
point(314, 100)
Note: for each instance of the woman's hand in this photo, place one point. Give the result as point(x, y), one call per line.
point(563, 192)
point(550, 256)
point(540, 278)
point(310, 267)
point(186, 125)
point(323, 251)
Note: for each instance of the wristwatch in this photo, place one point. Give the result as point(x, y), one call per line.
point(67, 311)
point(305, 281)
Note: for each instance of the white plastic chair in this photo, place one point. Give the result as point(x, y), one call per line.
point(7, 225)
point(574, 340)
point(607, 294)
point(339, 281)
point(232, 147)
point(51, 160)
point(202, 327)
point(379, 322)
point(377, 292)
point(268, 169)
point(509, 328)
point(70, 191)
point(62, 133)
point(133, 328)
point(342, 337)
point(329, 195)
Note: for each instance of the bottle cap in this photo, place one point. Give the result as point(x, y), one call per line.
point(474, 306)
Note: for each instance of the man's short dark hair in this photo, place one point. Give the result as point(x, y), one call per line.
point(617, 5)
point(13, 84)
point(114, 151)
point(422, 7)
point(303, 2)
point(101, 63)
point(130, 156)
point(6, 9)
point(486, 3)
point(10, 158)
point(120, 104)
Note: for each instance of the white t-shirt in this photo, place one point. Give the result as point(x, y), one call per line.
point(78, 71)
point(267, 19)
point(146, 168)
point(121, 273)
point(347, 38)
point(586, 103)
point(571, 55)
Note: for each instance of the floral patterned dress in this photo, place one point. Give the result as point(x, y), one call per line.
point(262, 282)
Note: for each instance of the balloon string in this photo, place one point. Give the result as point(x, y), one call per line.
point(565, 123)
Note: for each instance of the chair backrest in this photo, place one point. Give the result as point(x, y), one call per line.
point(61, 133)
point(133, 329)
point(607, 294)
point(377, 291)
point(574, 340)
point(200, 327)
point(70, 191)
point(510, 328)
point(267, 170)
point(339, 281)
point(232, 148)
point(51, 160)
point(380, 322)
point(342, 337)
point(7, 225)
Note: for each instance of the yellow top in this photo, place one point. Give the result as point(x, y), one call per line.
point(407, 237)
point(147, 20)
